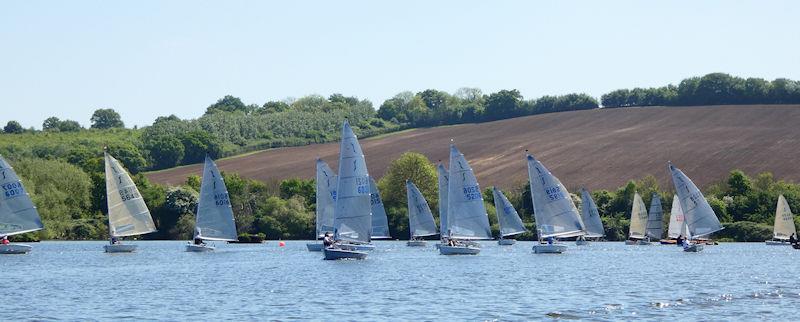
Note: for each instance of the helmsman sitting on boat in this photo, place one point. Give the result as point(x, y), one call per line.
point(5, 240)
point(327, 241)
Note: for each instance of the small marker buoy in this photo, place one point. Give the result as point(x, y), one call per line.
point(281, 244)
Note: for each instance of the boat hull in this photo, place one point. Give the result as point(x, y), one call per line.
point(582, 242)
point(119, 248)
point(637, 242)
point(338, 253)
point(356, 247)
point(416, 243)
point(314, 247)
point(693, 248)
point(506, 242)
point(777, 243)
point(199, 248)
point(11, 249)
point(459, 250)
point(668, 242)
point(549, 249)
point(796, 246)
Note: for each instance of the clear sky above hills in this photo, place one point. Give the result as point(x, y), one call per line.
point(151, 58)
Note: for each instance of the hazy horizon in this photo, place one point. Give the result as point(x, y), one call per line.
point(148, 59)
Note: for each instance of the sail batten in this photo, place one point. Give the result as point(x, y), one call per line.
point(128, 214)
point(466, 213)
point(352, 216)
point(699, 216)
point(655, 218)
point(380, 223)
point(590, 216)
point(553, 209)
point(214, 220)
point(420, 218)
point(507, 216)
point(784, 220)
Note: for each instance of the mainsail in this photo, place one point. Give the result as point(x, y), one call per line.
point(444, 183)
point(553, 209)
point(127, 212)
point(698, 213)
point(655, 226)
point(591, 216)
point(784, 220)
point(466, 214)
point(420, 218)
point(380, 223)
point(677, 224)
point(638, 224)
point(18, 215)
point(326, 197)
point(352, 216)
point(507, 216)
point(214, 213)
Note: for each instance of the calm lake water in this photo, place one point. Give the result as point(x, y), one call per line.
point(603, 281)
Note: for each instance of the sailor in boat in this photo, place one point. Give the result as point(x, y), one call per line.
point(792, 239)
point(550, 240)
point(327, 241)
point(5, 240)
point(198, 241)
point(679, 240)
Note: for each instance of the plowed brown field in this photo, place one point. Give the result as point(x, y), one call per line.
point(598, 148)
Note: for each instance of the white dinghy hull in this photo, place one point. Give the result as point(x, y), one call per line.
point(120, 248)
point(549, 249)
point(15, 249)
point(357, 247)
point(416, 243)
point(778, 243)
point(337, 253)
point(314, 247)
point(694, 248)
point(637, 242)
point(199, 248)
point(458, 250)
point(506, 242)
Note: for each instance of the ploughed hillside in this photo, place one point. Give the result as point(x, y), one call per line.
point(596, 148)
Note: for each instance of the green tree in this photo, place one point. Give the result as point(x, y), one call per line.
point(503, 104)
point(228, 104)
point(13, 127)
point(51, 124)
point(196, 144)
point(410, 166)
point(106, 118)
point(69, 126)
point(165, 152)
point(739, 184)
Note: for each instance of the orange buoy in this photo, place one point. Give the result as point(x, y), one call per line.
point(281, 244)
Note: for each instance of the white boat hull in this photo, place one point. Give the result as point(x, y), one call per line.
point(777, 243)
point(356, 247)
point(506, 242)
point(693, 248)
point(416, 243)
point(458, 250)
point(338, 253)
point(199, 248)
point(314, 247)
point(15, 249)
point(549, 249)
point(120, 248)
point(637, 242)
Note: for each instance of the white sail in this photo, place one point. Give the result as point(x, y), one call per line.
point(784, 220)
point(466, 214)
point(655, 226)
point(507, 216)
point(553, 209)
point(698, 213)
point(326, 197)
point(214, 213)
point(127, 212)
point(591, 216)
point(18, 215)
point(638, 225)
point(677, 225)
point(444, 183)
point(352, 216)
point(380, 223)
point(420, 218)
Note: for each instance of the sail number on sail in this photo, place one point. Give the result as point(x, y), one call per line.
point(554, 193)
point(362, 184)
point(221, 199)
point(128, 193)
point(13, 189)
point(472, 193)
point(374, 199)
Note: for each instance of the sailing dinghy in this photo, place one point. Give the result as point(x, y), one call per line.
point(590, 217)
point(638, 224)
point(380, 222)
point(18, 215)
point(326, 195)
point(784, 224)
point(655, 218)
point(700, 218)
point(127, 212)
point(420, 218)
point(444, 183)
point(677, 225)
point(214, 219)
point(555, 214)
point(507, 217)
point(352, 214)
point(466, 214)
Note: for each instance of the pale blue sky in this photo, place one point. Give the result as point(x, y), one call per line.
point(151, 58)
